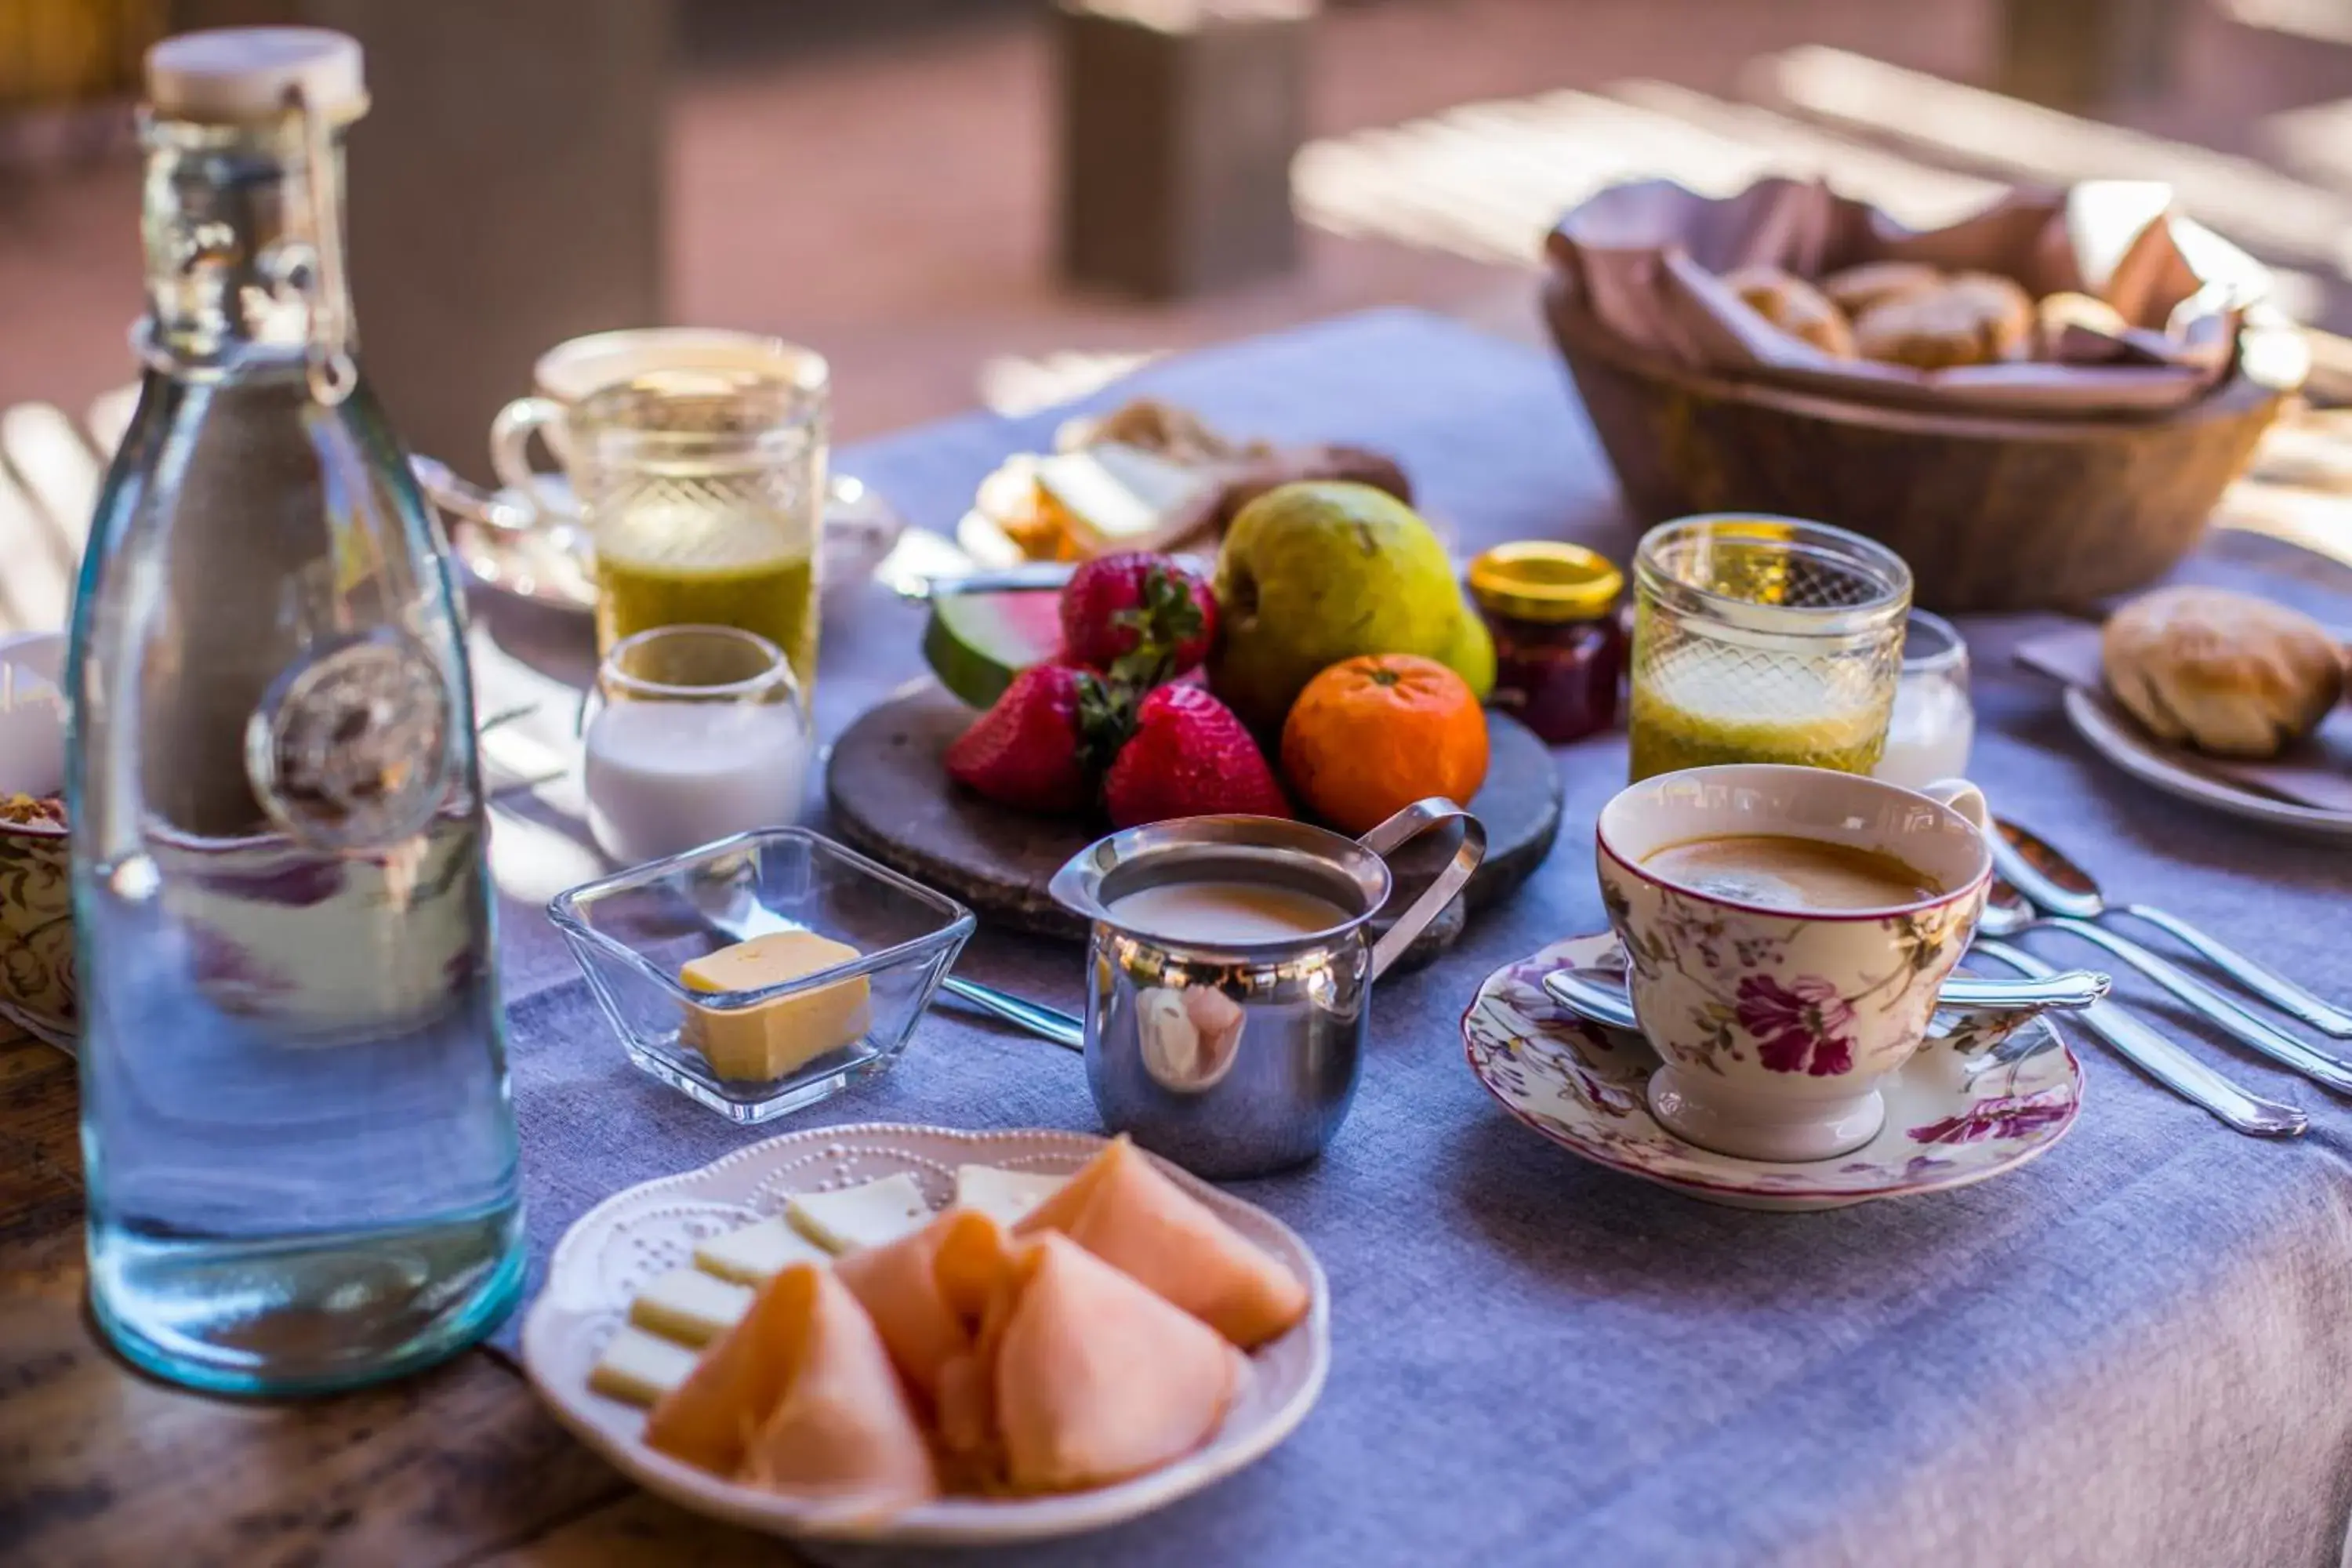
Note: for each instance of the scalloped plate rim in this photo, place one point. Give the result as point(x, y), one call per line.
point(950, 1521)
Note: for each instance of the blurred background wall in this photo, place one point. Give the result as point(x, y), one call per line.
point(884, 178)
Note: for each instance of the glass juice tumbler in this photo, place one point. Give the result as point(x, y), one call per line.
point(1762, 639)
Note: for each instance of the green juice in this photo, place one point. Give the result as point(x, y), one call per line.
point(1694, 712)
point(704, 571)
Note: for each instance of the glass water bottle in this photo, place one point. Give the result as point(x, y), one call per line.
point(300, 1147)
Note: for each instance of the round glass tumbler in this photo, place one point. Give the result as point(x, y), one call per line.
point(1763, 639)
point(693, 733)
point(1933, 721)
point(704, 494)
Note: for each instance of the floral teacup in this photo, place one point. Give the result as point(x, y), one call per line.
point(1777, 1026)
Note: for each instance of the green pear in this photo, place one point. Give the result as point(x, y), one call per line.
point(1470, 653)
point(1314, 573)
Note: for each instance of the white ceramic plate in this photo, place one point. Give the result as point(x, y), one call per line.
point(2123, 744)
point(621, 1244)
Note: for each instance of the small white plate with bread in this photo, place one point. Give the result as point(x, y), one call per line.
point(921, 1336)
point(2182, 774)
point(2217, 698)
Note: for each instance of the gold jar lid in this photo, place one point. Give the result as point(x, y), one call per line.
point(1542, 580)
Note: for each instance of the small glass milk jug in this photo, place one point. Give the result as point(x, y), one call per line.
point(300, 1151)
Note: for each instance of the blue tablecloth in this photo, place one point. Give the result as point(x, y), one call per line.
point(2134, 1351)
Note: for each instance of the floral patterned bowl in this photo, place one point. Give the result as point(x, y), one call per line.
point(37, 977)
point(1968, 1107)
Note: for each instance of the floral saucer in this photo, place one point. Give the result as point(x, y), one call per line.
point(1956, 1112)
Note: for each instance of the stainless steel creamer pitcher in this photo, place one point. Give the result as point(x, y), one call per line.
point(1240, 1059)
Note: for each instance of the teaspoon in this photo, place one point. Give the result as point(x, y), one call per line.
point(742, 918)
point(1045, 1023)
point(1602, 998)
point(2059, 885)
point(2010, 911)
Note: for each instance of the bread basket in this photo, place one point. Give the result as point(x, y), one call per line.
point(1992, 512)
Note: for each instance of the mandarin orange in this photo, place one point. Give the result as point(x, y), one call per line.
point(1370, 735)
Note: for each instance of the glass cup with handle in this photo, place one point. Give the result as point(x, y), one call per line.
point(575, 370)
point(703, 492)
point(1763, 639)
point(859, 526)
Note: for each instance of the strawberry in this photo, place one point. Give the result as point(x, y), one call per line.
point(1040, 747)
point(1189, 757)
point(1138, 618)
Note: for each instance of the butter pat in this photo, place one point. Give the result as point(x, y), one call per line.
point(638, 1368)
point(756, 1253)
point(871, 1215)
point(1004, 1196)
point(689, 1306)
point(767, 1041)
point(1113, 497)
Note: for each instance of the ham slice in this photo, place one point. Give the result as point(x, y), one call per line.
point(1090, 1378)
point(801, 1397)
point(927, 1291)
point(1126, 1211)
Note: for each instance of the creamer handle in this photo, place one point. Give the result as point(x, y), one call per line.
point(1394, 834)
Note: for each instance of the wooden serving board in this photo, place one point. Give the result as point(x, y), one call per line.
point(889, 793)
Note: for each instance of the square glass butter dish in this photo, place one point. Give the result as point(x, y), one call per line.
point(765, 971)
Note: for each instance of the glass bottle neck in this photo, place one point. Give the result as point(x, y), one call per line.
point(234, 280)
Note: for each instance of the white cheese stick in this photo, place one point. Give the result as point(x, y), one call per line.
point(1004, 1196)
point(756, 1253)
point(638, 1368)
point(873, 1215)
point(689, 1306)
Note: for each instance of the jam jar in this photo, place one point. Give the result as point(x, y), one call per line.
point(1560, 644)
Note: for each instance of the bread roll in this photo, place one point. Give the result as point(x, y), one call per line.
point(2226, 673)
point(1970, 318)
point(2056, 315)
point(2005, 310)
point(1856, 288)
point(1794, 306)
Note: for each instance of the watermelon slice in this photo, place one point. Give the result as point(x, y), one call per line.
point(977, 643)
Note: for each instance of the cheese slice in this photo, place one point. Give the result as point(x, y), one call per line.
point(689, 1306)
point(1115, 497)
point(638, 1368)
point(871, 1215)
point(1004, 1196)
point(765, 1042)
point(756, 1253)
